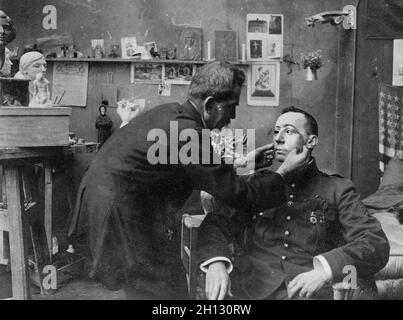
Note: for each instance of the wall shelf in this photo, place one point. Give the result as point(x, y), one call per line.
point(119, 60)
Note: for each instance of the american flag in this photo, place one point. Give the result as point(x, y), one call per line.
point(390, 123)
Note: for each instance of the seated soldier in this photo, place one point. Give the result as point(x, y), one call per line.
point(320, 236)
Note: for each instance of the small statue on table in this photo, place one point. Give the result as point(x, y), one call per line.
point(41, 91)
point(103, 124)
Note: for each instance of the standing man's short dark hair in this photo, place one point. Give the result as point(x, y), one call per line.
point(217, 80)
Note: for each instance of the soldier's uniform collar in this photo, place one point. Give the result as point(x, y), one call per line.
point(303, 175)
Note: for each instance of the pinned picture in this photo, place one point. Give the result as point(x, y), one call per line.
point(146, 73)
point(265, 37)
point(256, 49)
point(164, 89)
point(274, 49)
point(264, 84)
point(276, 24)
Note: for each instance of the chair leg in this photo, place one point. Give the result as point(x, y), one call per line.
point(3, 259)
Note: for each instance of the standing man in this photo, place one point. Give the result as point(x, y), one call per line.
point(127, 200)
point(301, 247)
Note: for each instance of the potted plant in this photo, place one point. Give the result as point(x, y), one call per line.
point(312, 62)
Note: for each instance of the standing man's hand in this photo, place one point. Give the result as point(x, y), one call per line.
point(295, 160)
point(218, 282)
point(261, 157)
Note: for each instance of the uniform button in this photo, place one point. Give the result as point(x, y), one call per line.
point(288, 218)
point(286, 245)
point(283, 258)
point(292, 197)
point(261, 214)
point(293, 185)
point(287, 233)
point(290, 204)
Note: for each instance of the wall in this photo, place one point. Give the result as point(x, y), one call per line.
point(374, 65)
point(327, 99)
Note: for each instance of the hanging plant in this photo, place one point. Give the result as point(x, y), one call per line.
point(313, 60)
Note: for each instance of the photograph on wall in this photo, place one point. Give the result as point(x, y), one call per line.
point(264, 84)
point(256, 49)
point(191, 44)
point(274, 49)
point(265, 36)
point(146, 73)
point(150, 49)
point(397, 79)
point(128, 45)
point(226, 47)
point(180, 74)
point(164, 89)
point(98, 48)
point(276, 24)
point(257, 26)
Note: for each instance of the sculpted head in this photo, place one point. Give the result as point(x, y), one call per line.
point(7, 31)
point(32, 63)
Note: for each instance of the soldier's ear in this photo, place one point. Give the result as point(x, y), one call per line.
point(312, 141)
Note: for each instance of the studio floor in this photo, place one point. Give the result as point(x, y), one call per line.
point(77, 289)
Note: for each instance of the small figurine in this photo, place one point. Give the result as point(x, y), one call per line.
point(41, 94)
point(104, 124)
point(5, 71)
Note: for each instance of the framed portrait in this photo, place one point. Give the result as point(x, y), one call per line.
point(180, 74)
point(146, 73)
point(191, 44)
point(264, 84)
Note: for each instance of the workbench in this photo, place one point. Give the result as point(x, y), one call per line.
point(13, 161)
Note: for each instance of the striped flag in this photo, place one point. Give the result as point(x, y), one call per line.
point(390, 123)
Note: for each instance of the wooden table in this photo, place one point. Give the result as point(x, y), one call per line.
point(13, 161)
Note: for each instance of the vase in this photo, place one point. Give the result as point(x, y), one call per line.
point(311, 74)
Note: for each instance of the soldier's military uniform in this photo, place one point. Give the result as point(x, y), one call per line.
point(323, 215)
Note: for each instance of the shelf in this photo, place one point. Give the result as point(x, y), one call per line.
point(119, 60)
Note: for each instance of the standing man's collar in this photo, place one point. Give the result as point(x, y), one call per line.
point(194, 111)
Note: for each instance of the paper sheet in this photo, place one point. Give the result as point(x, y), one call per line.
point(70, 82)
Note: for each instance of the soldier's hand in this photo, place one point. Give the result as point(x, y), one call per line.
point(218, 282)
point(295, 160)
point(307, 284)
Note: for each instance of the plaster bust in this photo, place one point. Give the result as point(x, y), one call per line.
point(31, 65)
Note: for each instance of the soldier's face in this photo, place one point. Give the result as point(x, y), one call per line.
point(289, 133)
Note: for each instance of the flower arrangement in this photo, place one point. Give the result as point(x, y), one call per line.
point(313, 60)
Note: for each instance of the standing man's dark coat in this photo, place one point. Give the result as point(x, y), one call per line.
point(127, 206)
